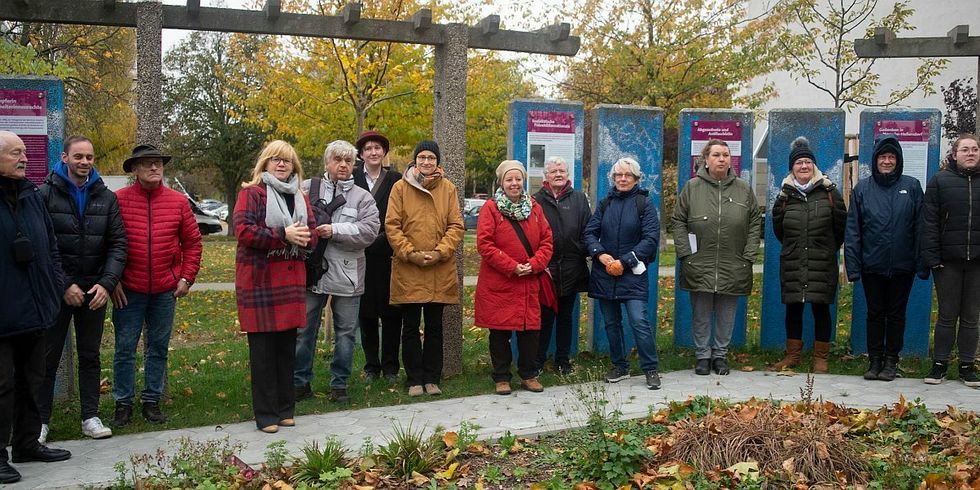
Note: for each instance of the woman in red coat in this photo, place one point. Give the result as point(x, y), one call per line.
point(507, 294)
point(272, 223)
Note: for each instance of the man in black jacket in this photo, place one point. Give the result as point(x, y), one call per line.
point(372, 175)
point(31, 284)
point(567, 211)
point(92, 242)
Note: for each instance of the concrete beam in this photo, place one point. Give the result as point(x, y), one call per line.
point(351, 13)
point(272, 9)
point(193, 7)
point(525, 42)
point(918, 47)
point(490, 25)
point(149, 83)
point(959, 34)
point(109, 4)
point(883, 36)
point(422, 20)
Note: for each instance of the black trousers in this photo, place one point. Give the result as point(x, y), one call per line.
point(88, 337)
point(958, 298)
point(272, 356)
point(562, 325)
point(501, 357)
point(821, 321)
point(887, 298)
point(389, 340)
point(21, 370)
point(422, 353)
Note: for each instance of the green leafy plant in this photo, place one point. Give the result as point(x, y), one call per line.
point(466, 434)
point(409, 451)
point(194, 464)
point(276, 455)
point(322, 467)
point(507, 440)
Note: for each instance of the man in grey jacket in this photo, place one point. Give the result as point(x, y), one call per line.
point(353, 226)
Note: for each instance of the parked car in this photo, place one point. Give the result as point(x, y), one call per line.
point(206, 222)
point(215, 207)
point(471, 212)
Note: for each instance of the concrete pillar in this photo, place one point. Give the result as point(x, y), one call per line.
point(825, 130)
point(637, 132)
point(733, 126)
point(149, 73)
point(449, 129)
point(920, 133)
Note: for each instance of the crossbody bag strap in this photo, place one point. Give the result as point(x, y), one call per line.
point(522, 237)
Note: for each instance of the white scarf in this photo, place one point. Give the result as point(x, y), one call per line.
point(276, 212)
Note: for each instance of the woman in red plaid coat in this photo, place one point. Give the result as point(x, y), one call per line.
point(273, 223)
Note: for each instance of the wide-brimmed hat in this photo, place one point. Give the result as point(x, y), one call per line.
point(144, 151)
point(371, 136)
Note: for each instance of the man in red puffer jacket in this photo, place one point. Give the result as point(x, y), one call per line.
point(163, 259)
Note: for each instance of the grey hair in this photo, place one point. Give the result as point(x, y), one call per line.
point(339, 148)
point(555, 161)
point(630, 164)
point(4, 135)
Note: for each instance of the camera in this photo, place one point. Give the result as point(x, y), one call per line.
point(23, 249)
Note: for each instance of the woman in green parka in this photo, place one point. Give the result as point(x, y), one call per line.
point(716, 228)
point(808, 218)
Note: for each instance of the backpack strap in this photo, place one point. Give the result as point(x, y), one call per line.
point(315, 190)
point(641, 204)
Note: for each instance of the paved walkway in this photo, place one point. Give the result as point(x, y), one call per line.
point(520, 413)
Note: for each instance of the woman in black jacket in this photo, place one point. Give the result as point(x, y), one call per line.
point(950, 247)
point(809, 219)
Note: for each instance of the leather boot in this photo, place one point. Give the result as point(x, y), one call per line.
point(820, 351)
point(877, 363)
point(793, 349)
point(890, 369)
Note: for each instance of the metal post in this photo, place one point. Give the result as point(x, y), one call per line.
point(149, 72)
point(449, 127)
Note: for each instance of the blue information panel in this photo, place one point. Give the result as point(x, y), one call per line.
point(542, 129)
point(697, 126)
point(919, 132)
point(637, 132)
point(34, 109)
point(825, 130)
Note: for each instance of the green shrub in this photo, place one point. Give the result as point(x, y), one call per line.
point(322, 468)
point(408, 451)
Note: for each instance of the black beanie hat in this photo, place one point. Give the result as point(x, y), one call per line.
point(800, 149)
point(427, 145)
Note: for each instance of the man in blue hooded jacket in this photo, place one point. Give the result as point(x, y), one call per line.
point(880, 250)
point(92, 242)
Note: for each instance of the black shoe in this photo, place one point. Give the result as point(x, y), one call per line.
point(968, 374)
point(937, 374)
point(889, 371)
point(370, 377)
point(123, 414)
point(302, 392)
point(653, 380)
point(8, 474)
point(339, 395)
point(703, 367)
point(615, 375)
point(565, 369)
point(152, 413)
point(392, 379)
point(40, 453)
point(720, 366)
point(874, 368)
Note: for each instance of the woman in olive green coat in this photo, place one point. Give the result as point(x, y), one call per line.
point(808, 218)
point(716, 227)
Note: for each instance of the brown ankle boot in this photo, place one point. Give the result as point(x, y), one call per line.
point(820, 351)
point(793, 349)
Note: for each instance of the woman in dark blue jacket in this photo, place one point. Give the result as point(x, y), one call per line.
point(880, 248)
point(623, 236)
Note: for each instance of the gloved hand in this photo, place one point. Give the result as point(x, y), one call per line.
point(615, 268)
point(417, 258)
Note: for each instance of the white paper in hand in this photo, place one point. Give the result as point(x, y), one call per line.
point(640, 267)
point(693, 240)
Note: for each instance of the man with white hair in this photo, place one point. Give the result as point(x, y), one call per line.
point(352, 227)
point(31, 283)
point(567, 211)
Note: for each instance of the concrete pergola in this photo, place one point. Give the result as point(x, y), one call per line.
point(451, 42)
point(957, 43)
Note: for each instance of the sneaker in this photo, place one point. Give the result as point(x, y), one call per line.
point(702, 367)
point(122, 415)
point(42, 438)
point(615, 375)
point(653, 379)
point(302, 392)
point(968, 374)
point(339, 395)
point(152, 413)
point(720, 366)
point(937, 374)
point(93, 428)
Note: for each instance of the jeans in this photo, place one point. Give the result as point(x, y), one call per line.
point(21, 369)
point(562, 324)
point(88, 337)
point(643, 333)
point(887, 299)
point(722, 307)
point(389, 340)
point(422, 355)
point(344, 310)
point(958, 296)
point(157, 312)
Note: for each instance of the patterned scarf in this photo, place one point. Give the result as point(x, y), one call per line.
point(517, 211)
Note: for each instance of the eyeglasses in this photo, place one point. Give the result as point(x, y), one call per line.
point(622, 174)
point(803, 161)
point(968, 150)
point(151, 164)
point(278, 160)
point(426, 158)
